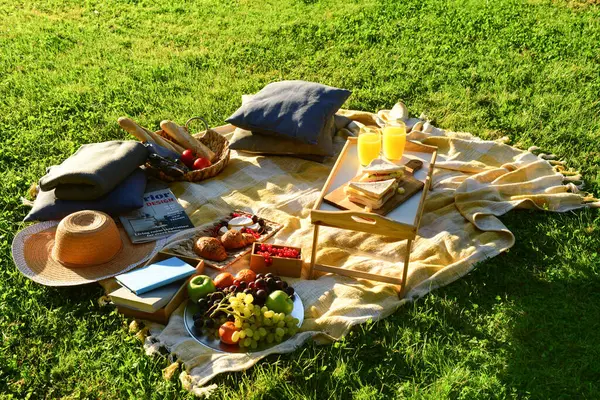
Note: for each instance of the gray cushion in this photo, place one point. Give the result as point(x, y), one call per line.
point(127, 196)
point(295, 109)
point(94, 170)
point(257, 143)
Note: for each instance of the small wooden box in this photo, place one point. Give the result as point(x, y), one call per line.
point(281, 266)
point(162, 315)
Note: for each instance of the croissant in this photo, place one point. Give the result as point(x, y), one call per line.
point(210, 248)
point(233, 239)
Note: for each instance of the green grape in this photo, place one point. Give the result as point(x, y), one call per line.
point(241, 343)
point(278, 338)
point(296, 321)
point(264, 309)
point(263, 332)
point(254, 344)
point(279, 332)
point(235, 336)
point(289, 324)
point(249, 299)
point(281, 324)
point(275, 318)
point(242, 334)
point(293, 330)
point(270, 338)
point(233, 300)
point(268, 314)
point(247, 342)
point(238, 323)
point(247, 313)
point(256, 310)
point(245, 325)
point(241, 296)
point(281, 316)
point(268, 322)
point(249, 332)
point(252, 319)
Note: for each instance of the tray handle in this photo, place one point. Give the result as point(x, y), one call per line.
point(363, 222)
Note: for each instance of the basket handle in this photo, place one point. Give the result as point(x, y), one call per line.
point(193, 119)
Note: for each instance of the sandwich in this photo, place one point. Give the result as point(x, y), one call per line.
point(381, 170)
point(372, 195)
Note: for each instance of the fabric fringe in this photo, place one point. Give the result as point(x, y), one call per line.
point(142, 334)
point(170, 371)
point(33, 191)
point(103, 301)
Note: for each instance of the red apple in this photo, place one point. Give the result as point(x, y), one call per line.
point(187, 157)
point(201, 163)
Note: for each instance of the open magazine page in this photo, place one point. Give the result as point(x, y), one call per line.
point(161, 216)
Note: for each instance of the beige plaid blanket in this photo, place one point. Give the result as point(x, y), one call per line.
point(474, 182)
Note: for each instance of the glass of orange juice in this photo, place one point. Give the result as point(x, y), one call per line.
point(369, 145)
point(394, 140)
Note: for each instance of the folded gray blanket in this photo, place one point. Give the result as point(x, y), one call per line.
point(94, 170)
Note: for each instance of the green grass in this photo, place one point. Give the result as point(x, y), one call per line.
point(525, 324)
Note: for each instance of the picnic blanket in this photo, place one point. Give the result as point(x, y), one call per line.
point(474, 182)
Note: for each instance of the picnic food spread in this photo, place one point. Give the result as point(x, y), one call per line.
point(253, 309)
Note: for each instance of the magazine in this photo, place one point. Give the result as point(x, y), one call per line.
point(161, 216)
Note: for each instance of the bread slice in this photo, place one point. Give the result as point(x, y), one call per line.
point(371, 194)
point(372, 204)
point(382, 177)
point(381, 166)
point(373, 189)
point(381, 170)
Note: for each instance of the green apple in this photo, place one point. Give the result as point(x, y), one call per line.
point(200, 286)
point(280, 302)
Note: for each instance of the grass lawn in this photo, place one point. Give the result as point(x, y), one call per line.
point(525, 324)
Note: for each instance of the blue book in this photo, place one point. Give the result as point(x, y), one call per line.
point(155, 275)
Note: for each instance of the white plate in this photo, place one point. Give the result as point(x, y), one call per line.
point(192, 308)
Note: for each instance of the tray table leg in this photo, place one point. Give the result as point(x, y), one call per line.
point(313, 257)
point(405, 271)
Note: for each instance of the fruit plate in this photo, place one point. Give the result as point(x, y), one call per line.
point(215, 344)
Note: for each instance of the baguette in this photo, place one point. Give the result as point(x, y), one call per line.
point(177, 148)
point(131, 127)
point(145, 135)
point(182, 137)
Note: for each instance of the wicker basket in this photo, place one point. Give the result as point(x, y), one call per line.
point(211, 139)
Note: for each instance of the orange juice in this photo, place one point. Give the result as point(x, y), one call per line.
point(369, 146)
point(394, 140)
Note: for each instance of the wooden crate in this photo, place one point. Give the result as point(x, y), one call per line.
point(291, 267)
point(401, 223)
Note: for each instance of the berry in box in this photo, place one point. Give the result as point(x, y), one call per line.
point(280, 260)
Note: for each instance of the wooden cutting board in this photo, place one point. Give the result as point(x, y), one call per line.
point(410, 184)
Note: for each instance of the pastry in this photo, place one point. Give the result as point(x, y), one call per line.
point(233, 239)
point(249, 238)
point(210, 248)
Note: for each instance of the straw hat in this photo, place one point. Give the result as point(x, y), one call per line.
point(83, 247)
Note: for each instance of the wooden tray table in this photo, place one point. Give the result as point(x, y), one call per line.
point(401, 223)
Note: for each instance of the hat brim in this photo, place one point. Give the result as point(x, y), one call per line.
point(32, 249)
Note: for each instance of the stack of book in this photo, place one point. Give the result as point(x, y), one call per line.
point(154, 291)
